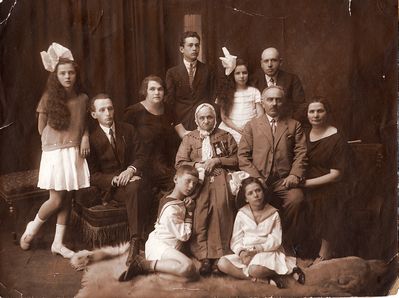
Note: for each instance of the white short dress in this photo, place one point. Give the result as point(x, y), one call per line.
point(61, 165)
point(63, 169)
point(242, 110)
point(264, 237)
point(171, 229)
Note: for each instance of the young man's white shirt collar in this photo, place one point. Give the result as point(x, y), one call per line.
point(106, 130)
point(187, 65)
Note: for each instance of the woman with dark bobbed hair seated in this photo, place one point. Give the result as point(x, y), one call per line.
point(154, 125)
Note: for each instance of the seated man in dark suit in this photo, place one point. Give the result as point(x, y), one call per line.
point(188, 84)
point(272, 75)
point(116, 161)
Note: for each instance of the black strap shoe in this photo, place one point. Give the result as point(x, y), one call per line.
point(279, 281)
point(206, 267)
point(135, 268)
point(299, 275)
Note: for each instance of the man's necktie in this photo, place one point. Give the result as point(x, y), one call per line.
point(273, 125)
point(272, 83)
point(191, 74)
point(113, 143)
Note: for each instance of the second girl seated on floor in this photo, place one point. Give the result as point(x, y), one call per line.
point(256, 241)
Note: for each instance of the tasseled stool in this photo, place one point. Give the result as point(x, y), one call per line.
point(99, 224)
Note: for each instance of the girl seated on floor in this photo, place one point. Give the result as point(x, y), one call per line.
point(256, 241)
point(172, 228)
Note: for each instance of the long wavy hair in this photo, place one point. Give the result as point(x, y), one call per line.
point(227, 89)
point(58, 114)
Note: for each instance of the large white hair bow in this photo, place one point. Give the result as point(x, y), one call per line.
point(52, 56)
point(228, 61)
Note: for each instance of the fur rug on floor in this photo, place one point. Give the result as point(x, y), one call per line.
point(350, 276)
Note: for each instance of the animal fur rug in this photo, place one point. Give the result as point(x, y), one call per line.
point(350, 276)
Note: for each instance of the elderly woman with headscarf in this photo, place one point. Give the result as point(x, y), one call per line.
point(211, 150)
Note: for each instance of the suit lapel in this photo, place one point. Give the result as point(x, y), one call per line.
point(264, 127)
point(198, 75)
point(184, 75)
point(120, 144)
point(103, 139)
point(281, 80)
point(280, 129)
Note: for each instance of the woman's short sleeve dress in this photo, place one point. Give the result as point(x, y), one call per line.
point(324, 202)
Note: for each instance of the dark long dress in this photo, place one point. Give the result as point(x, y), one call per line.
point(214, 210)
point(325, 202)
point(156, 133)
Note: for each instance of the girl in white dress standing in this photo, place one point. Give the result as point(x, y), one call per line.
point(65, 144)
point(238, 102)
point(256, 241)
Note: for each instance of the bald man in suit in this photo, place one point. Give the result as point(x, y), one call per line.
point(272, 75)
point(273, 149)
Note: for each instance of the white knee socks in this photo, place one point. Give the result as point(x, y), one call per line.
point(36, 224)
point(59, 233)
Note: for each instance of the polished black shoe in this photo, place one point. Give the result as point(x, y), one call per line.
point(133, 250)
point(279, 281)
point(299, 275)
point(135, 268)
point(206, 267)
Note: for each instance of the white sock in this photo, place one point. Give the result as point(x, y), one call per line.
point(36, 224)
point(59, 233)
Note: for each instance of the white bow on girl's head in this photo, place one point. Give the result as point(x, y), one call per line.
point(228, 61)
point(52, 56)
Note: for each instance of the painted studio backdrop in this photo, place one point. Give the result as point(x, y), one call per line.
point(341, 49)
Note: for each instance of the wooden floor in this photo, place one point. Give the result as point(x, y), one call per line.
point(36, 272)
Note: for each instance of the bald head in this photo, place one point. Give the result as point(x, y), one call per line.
point(270, 53)
point(270, 61)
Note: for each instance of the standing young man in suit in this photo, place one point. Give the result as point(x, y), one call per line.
point(272, 75)
point(188, 84)
point(273, 149)
point(116, 162)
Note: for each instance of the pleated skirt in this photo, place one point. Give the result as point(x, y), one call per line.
point(63, 169)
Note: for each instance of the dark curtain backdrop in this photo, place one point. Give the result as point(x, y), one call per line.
point(338, 54)
point(347, 58)
point(116, 43)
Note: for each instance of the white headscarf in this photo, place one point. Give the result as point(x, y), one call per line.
point(207, 151)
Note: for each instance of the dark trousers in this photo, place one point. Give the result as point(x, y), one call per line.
point(136, 206)
point(290, 203)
